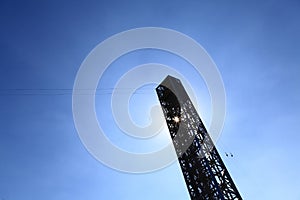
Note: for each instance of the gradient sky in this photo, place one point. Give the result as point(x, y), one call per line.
point(255, 45)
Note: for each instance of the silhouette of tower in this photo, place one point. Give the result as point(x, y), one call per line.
point(204, 172)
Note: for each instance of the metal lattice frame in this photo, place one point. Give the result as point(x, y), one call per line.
point(204, 172)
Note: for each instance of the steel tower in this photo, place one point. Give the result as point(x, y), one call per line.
point(204, 172)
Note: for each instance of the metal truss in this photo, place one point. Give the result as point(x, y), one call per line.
point(204, 172)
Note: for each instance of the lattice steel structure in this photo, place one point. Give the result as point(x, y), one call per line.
point(204, 172)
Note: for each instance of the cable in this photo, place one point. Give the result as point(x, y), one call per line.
point(65, 91)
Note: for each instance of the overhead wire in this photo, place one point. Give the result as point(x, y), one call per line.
point(66, 91)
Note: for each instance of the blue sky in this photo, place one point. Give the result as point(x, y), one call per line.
point(255, 45)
